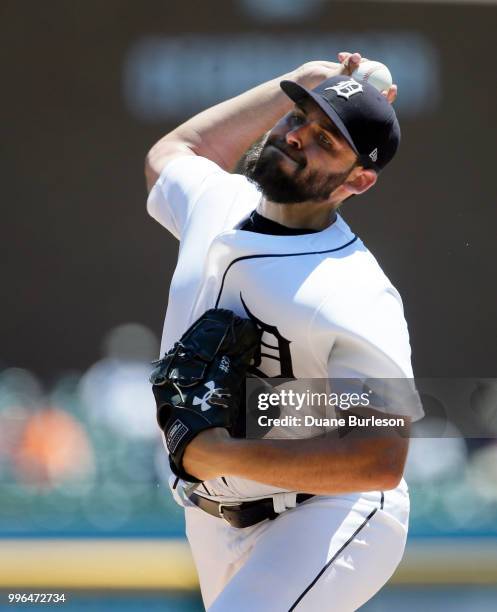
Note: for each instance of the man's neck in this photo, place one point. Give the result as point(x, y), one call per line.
point(305, 215)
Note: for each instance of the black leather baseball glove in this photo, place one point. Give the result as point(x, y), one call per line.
point(200, 382)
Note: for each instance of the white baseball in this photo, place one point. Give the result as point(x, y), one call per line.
point(374, 73)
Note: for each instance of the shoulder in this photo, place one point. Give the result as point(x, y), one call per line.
point(359, 295)
point(190, 183)
point(368, 272)
point(191, 173)
point(187, 168)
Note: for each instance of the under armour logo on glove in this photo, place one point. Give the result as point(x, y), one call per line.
point(210, 397)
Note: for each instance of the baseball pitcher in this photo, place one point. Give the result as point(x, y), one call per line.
point(270, 280)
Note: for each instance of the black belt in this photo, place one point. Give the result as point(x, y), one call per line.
point(241, 514)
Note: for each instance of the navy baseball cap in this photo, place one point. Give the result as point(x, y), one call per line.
point(360, 112)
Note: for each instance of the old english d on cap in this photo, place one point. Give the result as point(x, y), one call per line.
point(360, 112)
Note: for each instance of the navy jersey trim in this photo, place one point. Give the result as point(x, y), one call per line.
point(268, 345)
point(344, 246)
point(341, 549)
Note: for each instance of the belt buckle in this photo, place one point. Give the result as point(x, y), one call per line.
point(226, 505)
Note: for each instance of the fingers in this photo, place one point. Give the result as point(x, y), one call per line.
point(390, 93)
point(349, 61)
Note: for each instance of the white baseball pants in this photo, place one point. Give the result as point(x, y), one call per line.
point(328, 553)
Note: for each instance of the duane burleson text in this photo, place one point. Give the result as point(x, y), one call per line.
point(351, 420)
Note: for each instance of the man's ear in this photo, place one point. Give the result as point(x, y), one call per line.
point(360, 181)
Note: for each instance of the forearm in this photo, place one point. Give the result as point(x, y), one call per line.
point(323, 466)
point(223, 132)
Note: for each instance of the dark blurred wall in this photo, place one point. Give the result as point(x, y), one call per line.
point(79, 253)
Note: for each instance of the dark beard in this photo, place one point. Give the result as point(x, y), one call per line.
point(262, 167)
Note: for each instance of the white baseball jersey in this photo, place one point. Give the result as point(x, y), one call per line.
point(326, 308)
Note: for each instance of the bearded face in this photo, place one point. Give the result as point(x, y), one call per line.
point(264, 166)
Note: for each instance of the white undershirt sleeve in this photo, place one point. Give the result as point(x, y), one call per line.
point(178, 189)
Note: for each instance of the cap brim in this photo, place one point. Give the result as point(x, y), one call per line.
point(297, 93)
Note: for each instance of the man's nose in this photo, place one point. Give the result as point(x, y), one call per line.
point(296, 137)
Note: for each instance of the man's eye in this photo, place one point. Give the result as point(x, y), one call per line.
point(295, 119)
point(324, 140)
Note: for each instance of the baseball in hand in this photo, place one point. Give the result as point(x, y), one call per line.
point(374, 73)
